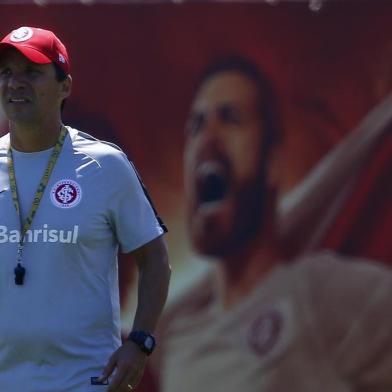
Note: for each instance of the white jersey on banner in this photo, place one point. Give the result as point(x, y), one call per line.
point(321, 323)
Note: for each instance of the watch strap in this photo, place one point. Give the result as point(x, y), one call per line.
point(144, 340)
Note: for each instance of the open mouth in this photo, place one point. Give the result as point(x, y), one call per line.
point(212, 183)
point(18, 100)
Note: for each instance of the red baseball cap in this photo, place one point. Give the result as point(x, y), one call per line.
point(38, 45)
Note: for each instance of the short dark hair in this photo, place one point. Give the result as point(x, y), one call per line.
point(60, 77)
point(268, 103)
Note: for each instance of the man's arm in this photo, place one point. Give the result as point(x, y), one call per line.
point(154, 274)
point(306, 206)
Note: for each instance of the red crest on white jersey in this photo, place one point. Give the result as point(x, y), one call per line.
point(265, 331)
point(66, 194)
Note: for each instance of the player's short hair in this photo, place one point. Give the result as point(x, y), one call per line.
point(268, 103)
point(61, 75)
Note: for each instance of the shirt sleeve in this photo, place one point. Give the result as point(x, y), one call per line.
point(130, 212)
point(352, 302)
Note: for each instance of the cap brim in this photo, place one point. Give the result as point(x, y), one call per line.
point(30, 53)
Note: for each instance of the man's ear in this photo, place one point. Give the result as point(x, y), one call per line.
point(66, 87)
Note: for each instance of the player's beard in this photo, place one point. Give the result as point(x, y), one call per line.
point(239, 223)
point(247, 219)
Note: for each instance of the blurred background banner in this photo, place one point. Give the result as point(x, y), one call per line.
point(314, 5)
point(135, 65)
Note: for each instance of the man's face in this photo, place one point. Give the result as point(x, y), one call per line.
point(29, 92)
point(224, 179)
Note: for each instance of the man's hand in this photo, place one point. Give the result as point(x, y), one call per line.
point(129, 362)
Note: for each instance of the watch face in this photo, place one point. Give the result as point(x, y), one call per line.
point(149, 343)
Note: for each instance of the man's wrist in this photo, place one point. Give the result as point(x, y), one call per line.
point(144, 340)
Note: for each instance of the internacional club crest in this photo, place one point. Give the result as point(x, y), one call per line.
point(265, 331)
point(66, 194)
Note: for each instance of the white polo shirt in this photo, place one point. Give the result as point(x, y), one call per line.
point(60, 327)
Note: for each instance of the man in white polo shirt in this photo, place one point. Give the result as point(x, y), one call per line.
point(67, 203)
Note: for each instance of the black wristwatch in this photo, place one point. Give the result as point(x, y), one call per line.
point(145, 341)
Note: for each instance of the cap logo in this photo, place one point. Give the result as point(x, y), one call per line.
point(21, 34)
point(61, 58)
point(66, 194)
